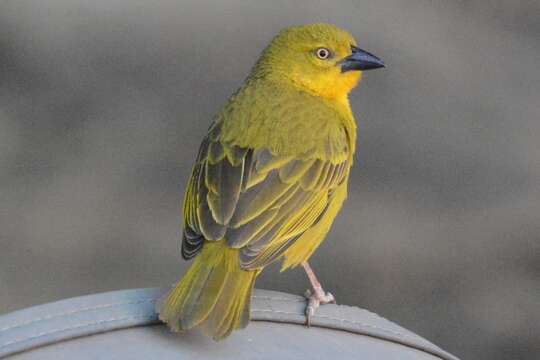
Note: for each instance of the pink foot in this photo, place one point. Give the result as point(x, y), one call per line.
point(315, 299)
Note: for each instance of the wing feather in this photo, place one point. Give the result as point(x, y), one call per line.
point(259, 202)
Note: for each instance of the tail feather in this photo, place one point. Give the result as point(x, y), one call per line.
point(214, 294)
point(229, 312)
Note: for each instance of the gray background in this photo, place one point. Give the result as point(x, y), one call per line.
point(103, 105)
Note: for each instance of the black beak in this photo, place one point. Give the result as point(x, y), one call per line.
point(360, 60)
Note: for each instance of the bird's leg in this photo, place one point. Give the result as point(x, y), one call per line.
point(316, 296)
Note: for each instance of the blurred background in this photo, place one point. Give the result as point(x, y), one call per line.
point(103, 104)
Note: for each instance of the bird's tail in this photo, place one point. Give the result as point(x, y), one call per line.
point(214, 294)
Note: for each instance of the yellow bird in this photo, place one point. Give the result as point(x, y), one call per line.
point(269, 178)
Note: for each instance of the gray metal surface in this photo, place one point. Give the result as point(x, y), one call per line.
point(83, 327)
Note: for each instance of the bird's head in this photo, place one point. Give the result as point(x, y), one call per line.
point(321, 59)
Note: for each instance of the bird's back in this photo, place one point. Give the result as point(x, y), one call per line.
point(287, 121)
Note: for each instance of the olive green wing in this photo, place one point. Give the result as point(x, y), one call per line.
point(256, 201)
point(212, 192)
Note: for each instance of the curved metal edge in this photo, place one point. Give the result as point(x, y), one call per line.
point(87, 315)
point(275, 306)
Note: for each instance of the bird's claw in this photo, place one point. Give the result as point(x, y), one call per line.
point(316, 299)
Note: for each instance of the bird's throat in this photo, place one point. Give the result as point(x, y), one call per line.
point(332, 87)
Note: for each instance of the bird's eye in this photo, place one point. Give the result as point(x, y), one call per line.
point(322, 53)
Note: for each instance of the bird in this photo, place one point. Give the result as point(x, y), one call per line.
point(269, 178)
